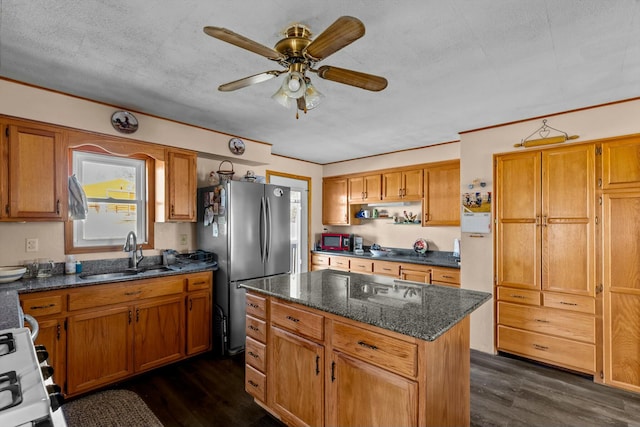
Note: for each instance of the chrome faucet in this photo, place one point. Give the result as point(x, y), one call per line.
point(135, 252)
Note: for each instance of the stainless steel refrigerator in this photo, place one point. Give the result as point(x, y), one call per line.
point(247, 226)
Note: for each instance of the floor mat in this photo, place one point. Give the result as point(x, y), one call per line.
point(110, 408)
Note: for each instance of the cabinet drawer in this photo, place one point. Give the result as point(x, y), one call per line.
point(297, 320)
point(101, 295)
point(317, 259)
point(386, 268)
point(42, 305)
point(558, 351)
point(339, 262)
point(570, 302)
point(255, 354)
point(255, 383)
point(199, 281)
point(257, 329)
point(446, 275)
point(560, 323)
point(381, 350)
point(256, 306)
point(522, 296)
point(361, 265)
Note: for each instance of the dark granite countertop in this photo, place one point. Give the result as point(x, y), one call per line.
point(418, 310)
point(9, 309)
point(63, 281)
point(435, 258)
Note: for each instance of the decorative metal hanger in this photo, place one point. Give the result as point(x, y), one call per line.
point(544, 131)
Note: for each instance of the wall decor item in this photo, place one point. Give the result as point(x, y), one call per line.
point(124, 122)
point(545, 137)
point(476, 212)
point(236, 146)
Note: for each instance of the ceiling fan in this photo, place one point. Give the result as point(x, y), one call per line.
point(298, 53)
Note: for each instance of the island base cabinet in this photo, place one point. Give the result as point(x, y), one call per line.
point(296, 381)
point(365, 395)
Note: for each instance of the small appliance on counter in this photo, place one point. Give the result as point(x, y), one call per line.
point(358, 249)
point(336, 242)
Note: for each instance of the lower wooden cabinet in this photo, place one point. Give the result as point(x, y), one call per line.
point(296, 380)
point(158, 333)
point(371, 386)
point(101, 334)
point(255, 379)
point(100, 348)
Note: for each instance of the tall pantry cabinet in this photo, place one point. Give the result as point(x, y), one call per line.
point(621, 261)
point(546, 256)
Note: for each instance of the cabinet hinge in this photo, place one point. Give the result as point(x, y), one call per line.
point(600, 200)
point(598, 151)
point(599, 288)
point(601, 375)
point(599, 182)
point(6, 131)
point(596, 219)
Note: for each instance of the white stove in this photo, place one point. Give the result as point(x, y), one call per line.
point(28, 396)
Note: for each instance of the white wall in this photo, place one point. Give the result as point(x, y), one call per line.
point(476, 161)
point(32, 103)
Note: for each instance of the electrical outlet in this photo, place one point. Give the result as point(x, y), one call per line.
point(183, 239)
point(31, 245)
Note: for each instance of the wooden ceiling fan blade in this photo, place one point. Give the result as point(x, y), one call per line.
point(352, 78)
point(344, 31)
point(243, 42)
point(248, 81)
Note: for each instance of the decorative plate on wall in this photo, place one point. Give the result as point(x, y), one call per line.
point(236, 146)
point(124, 122)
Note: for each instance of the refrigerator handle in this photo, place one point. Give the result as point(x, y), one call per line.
point(263, 230)
point(269, 230)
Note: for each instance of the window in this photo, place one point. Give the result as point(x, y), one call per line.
point(116, 190)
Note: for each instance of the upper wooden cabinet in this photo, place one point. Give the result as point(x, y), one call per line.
point(365, 189)
point(181, 177)
point(405, 185)
point(335, 208)
point(441, 203)
point(546, 220)
point(621, 163)
point(32, 184)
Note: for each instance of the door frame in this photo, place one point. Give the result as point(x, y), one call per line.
point(269, 174)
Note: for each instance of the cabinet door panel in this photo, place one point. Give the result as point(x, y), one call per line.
point(359, 389)
point(519, 255)
point(53, 336)
point(442, 195)
point(181, 186)
point(100, 349)
point(34, 190)
point(335, 210)
point(198, 322)
point(159, 333)
point(296, 379)
point(621, 163)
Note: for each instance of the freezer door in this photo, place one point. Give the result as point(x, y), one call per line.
point(246, 225)
point(278, 202)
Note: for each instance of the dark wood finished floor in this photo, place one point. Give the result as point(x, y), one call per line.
point(209, 392)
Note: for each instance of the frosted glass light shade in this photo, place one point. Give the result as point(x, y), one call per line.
point(312, 96)
point(281, 98)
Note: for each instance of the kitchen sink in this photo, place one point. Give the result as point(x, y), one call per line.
point(125, 273)
point(113, 275)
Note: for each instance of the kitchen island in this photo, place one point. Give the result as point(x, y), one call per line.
point(338, 348)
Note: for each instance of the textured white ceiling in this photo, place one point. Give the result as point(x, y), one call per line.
point(452, 65)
